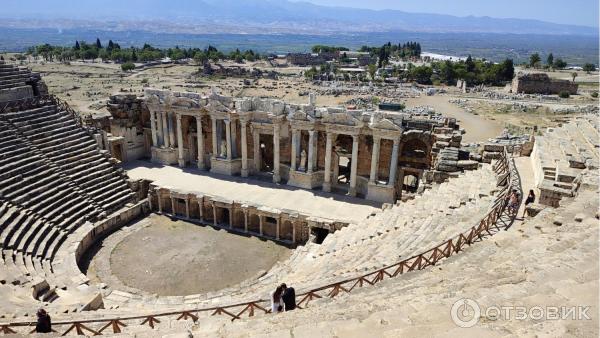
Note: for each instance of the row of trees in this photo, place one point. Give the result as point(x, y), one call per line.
point(404, 50)
point(113, 51)
point(475, 72)
point(535, 61)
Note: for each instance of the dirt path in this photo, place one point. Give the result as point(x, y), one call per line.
point(173, 258)
point(478, 128)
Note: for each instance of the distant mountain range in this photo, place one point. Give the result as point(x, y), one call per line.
point(254, 16)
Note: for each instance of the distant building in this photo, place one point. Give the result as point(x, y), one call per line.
point(541, 83)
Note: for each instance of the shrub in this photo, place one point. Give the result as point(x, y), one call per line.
point(594, 94)
point(127, 66)
point(564, 94)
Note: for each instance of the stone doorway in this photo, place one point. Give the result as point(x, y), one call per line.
point(342, 161)
point(266, 153)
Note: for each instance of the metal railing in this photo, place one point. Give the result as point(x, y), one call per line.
point(499, 217)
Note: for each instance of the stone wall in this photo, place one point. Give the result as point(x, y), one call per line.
point(540, 83)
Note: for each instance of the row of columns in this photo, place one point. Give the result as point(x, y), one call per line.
point(375, 161)
point(296, 148)
point(163, 132)
point(230, 211)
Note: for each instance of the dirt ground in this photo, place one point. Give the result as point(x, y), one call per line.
point(173, 258)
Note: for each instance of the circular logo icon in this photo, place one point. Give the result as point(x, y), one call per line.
point(465, 312)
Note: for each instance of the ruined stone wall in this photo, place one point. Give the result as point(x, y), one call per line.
point(130, 118)
point(539, 83)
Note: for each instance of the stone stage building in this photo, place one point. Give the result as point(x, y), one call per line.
point(373, 154)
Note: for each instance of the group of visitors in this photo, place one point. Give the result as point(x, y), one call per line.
point(283, 299)
point(513, 201)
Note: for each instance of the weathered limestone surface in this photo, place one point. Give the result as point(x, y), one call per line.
point(540, 83)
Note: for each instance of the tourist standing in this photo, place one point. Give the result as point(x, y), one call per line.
point(276, 301)
point(44, 324)
point(530, 199)
point(288, 297)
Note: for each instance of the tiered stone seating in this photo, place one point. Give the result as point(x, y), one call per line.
point(391, 235)
point(74, 152)
point(53, 180)
point(566, 157)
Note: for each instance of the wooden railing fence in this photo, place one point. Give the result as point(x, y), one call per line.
point(499, 217)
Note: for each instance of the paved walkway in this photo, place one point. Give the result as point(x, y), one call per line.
point(280, 196)
point(525, 168)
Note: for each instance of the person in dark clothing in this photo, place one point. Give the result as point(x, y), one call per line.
point(530, 199)
point(288, 297)
point(44, 324)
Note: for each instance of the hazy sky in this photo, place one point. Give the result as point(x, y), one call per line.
point(577, 12)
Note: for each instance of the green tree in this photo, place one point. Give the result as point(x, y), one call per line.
point(550, 60)
point(560, 64)
point(534, 60)
point(574, 75)
point(98, 43)
point(372, 69)
point(127, 66)
point(589, 67)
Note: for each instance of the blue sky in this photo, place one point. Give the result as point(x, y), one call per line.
point(577, 12)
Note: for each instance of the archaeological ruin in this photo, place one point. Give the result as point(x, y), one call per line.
point(382, 210)
point(540, 83)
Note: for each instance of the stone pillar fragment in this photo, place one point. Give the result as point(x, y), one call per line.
point(215, 151)
point(276, 135)
point(354, 166)
point(394, 162)
point(375, 159)
point(153, 128)
point(328, 149)
point(311, 151)
point(180, 159)
point(244, 149)
point(200, 143)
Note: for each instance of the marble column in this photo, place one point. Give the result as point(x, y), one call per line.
point(215, 150)
point(311, 151)
point(276, 175)
point(159, 129)
point(394, 162)
point(256, 140)
point(153, 128)
point(201, 208)
point(375, 159)
point(244, 148)
point(228, 139)
point(261, 220)
point(215, 222)
point(173, 211)
point(354, 166)
point(245, 220)
point(187, 208)
point(171, 130)
point(294, 224)
point(165, 128)
point(200, 142)
point(159, 202)
point(294, 149)
point(180, 159)
point(328, 149)
point(277, 227)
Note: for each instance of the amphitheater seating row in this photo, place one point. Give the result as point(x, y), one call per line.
point(53, 179)
point(393, 234)
point(12, 76)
